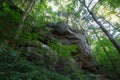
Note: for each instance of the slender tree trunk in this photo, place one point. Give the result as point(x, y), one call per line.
point(115, 43)
point(90, 3)
point(111, 25)
point(110, 37)
point(29, 7)
point(107, 54)
point(26, 12)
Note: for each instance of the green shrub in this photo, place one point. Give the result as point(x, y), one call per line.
point(81, 75)
point(23, 69)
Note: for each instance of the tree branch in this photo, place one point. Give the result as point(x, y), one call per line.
point(90, 3)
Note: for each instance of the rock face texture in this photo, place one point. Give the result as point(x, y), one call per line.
point(69, 35)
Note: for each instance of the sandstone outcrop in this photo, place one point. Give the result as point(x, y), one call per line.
point(69, 35)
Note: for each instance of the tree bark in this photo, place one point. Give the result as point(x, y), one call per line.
point(26, 12)
point(29, 7)
point(107, 54)
point(110, 37)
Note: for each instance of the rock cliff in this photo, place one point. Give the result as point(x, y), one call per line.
point(69, 35)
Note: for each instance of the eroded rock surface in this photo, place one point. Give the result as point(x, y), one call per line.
point(69, 35)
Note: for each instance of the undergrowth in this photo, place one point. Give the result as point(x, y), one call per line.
point(24, 69)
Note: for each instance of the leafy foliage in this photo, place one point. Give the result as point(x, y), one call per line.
point(24, 69)
point(9, 18)
point(110, 2)
point(63, 50)
point(6, 13)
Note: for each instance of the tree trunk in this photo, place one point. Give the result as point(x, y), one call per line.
point(111, 25)
point(110, 37)
point(29, 7)
point(107, 54)
point(20, 26)
point(115, 43)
